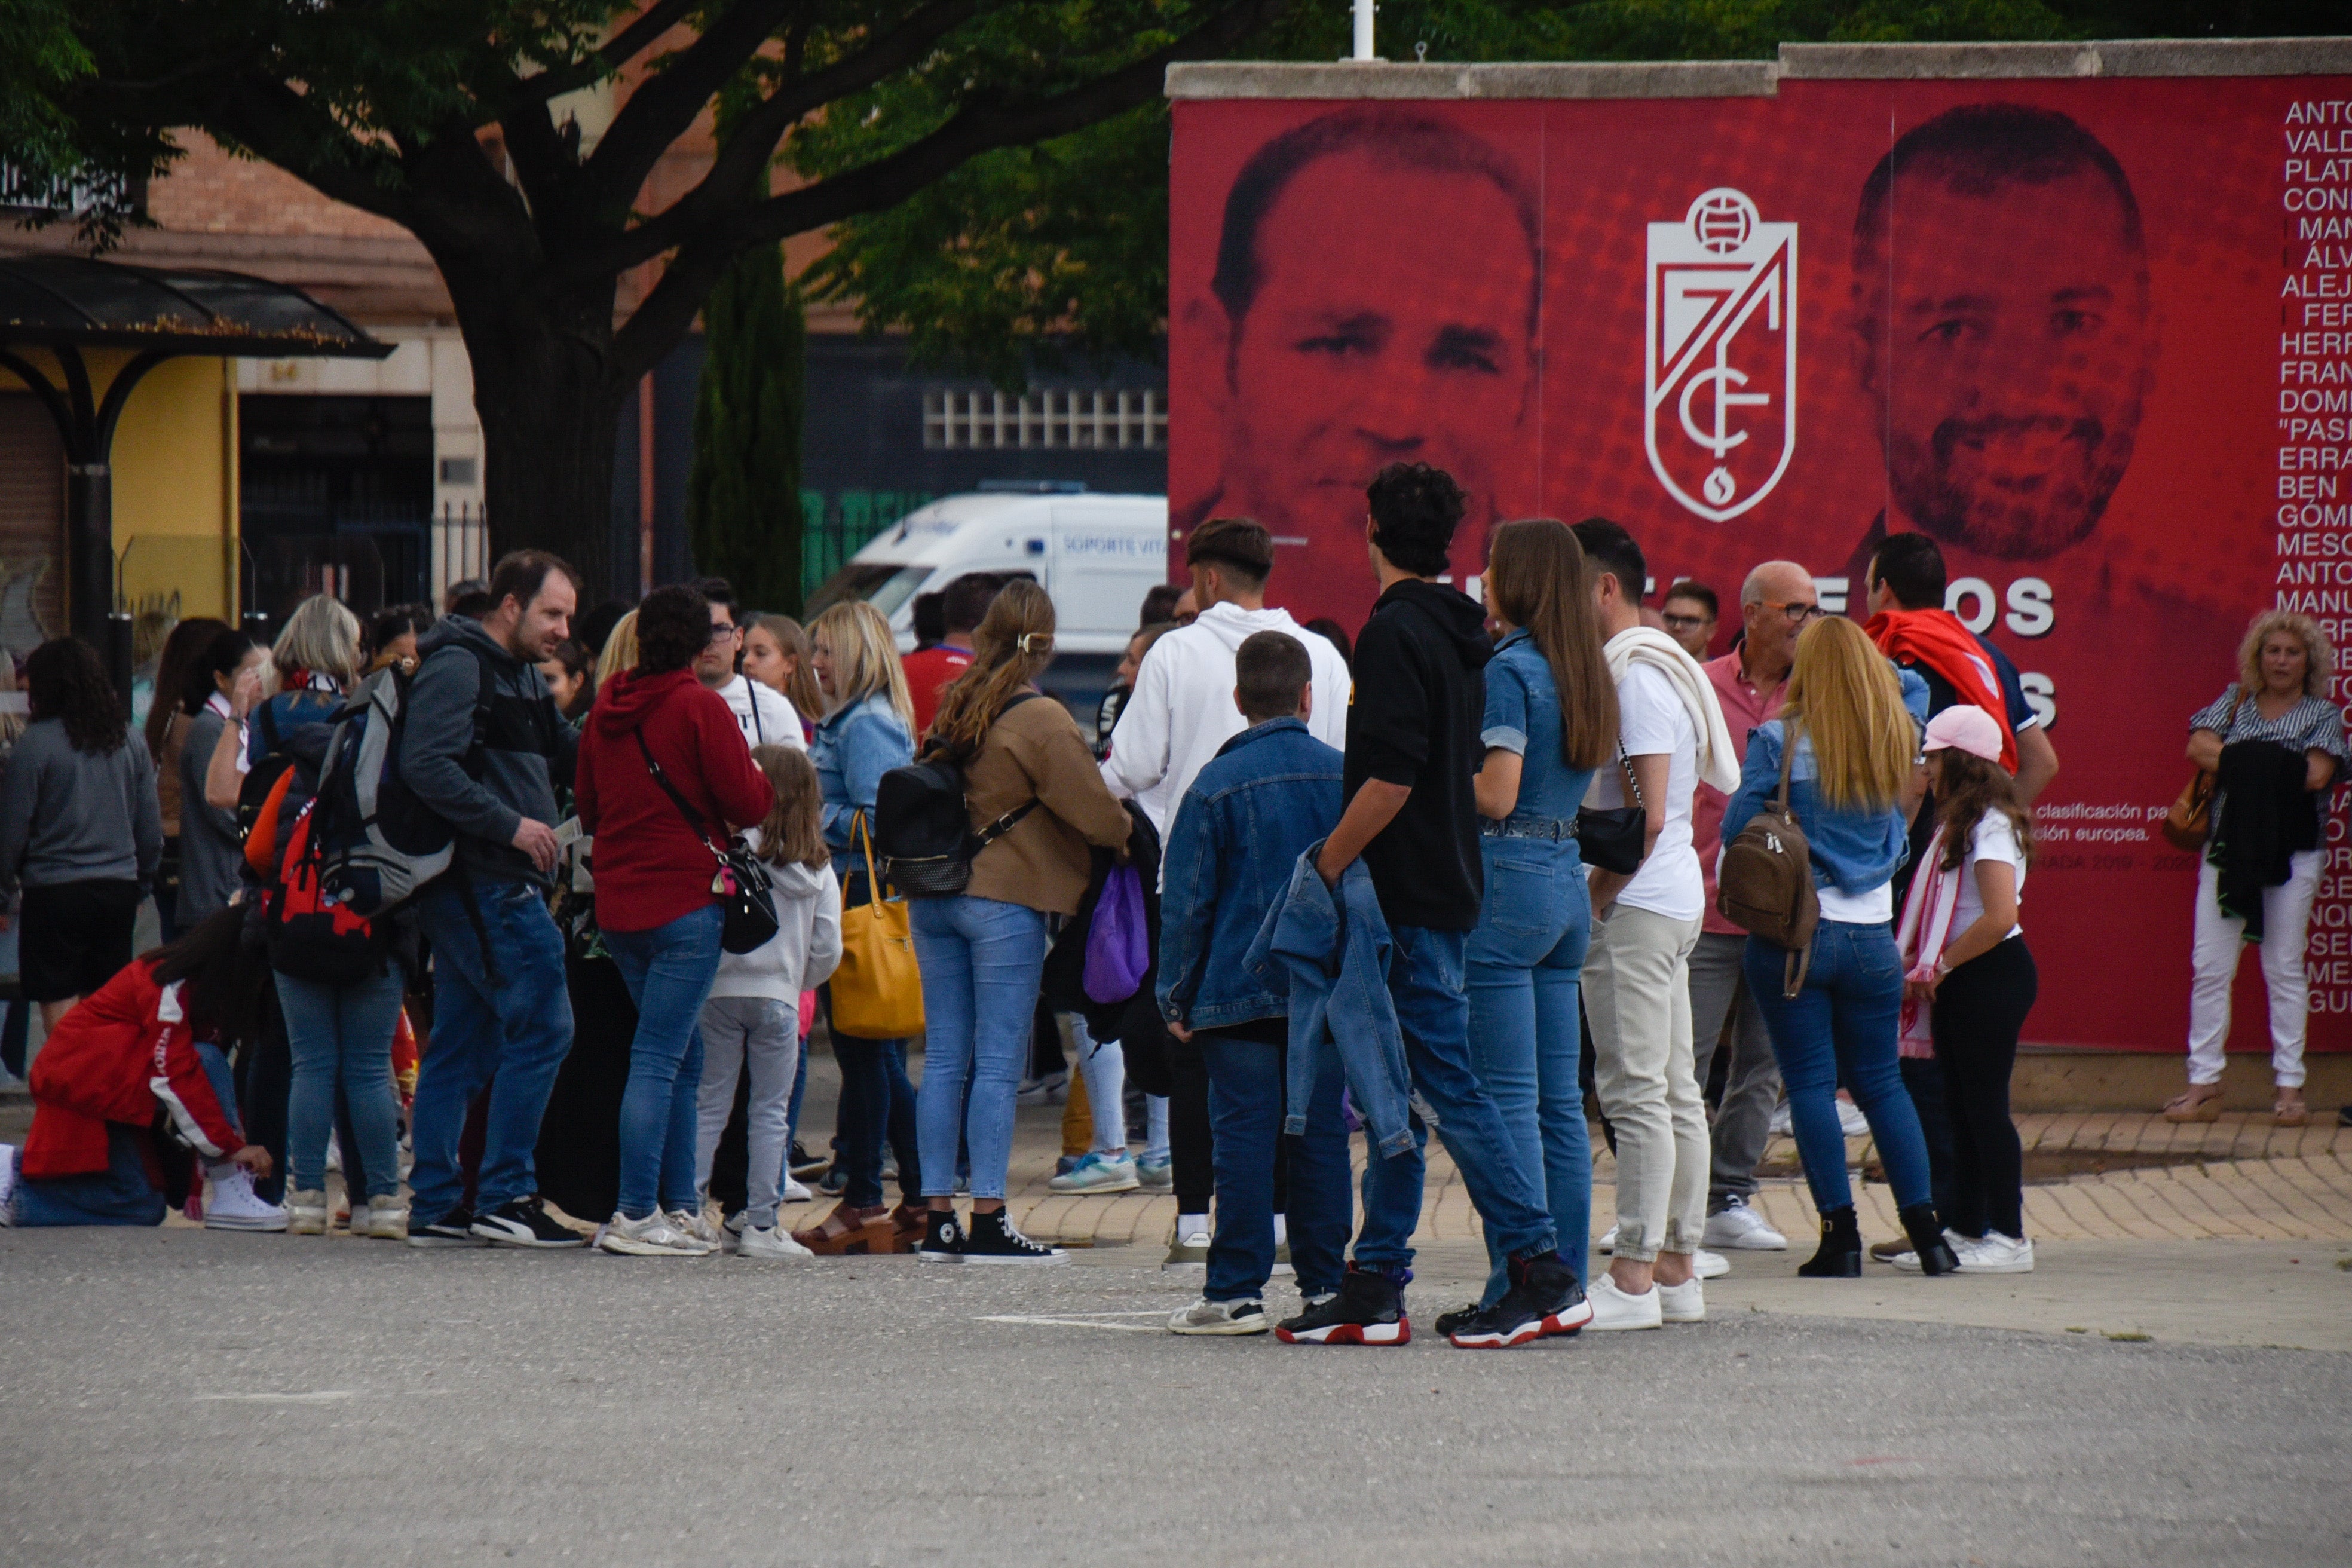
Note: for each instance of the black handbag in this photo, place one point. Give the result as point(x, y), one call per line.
point(741, 880)
point(1615, 838)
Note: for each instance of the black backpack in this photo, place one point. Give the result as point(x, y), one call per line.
point(922, 822)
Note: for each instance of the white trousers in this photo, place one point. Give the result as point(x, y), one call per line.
point(2220, 941)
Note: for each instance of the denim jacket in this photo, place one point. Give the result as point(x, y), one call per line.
point(1331, 957)
point(1268, 792)
point(1852, 851)
point(856, 744)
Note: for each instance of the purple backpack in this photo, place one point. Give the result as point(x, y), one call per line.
point(1119, 948)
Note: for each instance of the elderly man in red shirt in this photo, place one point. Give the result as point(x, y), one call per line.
point(1775, 603)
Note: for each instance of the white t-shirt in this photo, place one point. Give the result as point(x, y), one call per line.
point(1994, 839)
point(1653, 722)
point(773, 724)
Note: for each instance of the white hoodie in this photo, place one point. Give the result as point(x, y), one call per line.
point(806, 946)
point(1183, 709)
point(762, 714)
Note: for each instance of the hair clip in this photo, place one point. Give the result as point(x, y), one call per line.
point(1034, 642)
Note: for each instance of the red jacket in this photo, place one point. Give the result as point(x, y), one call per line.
point(121, 1051)
point(650, 865)
point(928, 673)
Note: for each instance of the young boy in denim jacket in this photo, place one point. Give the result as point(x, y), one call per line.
point(1270, 792)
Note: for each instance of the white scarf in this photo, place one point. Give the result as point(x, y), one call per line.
point(1718, 763)
point(1926, 931)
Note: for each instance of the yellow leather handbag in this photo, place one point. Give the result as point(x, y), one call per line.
point(877, 990)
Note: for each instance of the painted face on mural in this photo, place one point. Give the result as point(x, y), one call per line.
point(1391, 321)
point(2010, 342)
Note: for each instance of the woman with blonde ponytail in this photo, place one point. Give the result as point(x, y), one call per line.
point(982, 951)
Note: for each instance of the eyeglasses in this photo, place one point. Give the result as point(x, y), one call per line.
point(724, 631)
point(1684, 623)
point(1799, 613)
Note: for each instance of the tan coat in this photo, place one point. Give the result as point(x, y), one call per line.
point(1035, 753)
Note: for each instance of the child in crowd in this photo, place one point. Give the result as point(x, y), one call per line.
point(1269, 793)
point(751, 1019)
point(142, 1051)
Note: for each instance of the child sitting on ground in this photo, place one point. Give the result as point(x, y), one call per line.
point(142, 1053)
point(1269, 795)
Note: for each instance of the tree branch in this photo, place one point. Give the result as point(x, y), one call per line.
point(669, 309)
point(283, 127)
point(664, 105)
point(751, 144)
point(611, 56)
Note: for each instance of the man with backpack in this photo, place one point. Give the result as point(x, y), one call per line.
point(484, 749)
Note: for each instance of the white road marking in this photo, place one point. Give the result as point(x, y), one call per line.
point(323, 1396)
point(1080, 1323)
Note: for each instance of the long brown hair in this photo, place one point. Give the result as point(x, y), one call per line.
point(793, 830)
point(182, 649)
point(1968, 788)
point(1013, 644)
point(1848, 699)
point(1536, 579)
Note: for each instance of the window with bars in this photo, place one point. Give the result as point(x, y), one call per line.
point(1098, 419)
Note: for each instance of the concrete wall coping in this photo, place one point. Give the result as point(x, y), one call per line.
point(1760, 79)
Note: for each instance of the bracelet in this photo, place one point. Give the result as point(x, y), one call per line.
point(1943, 966)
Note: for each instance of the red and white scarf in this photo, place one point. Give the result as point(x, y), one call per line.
point(1924, 933)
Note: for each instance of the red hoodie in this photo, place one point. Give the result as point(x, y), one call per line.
point(124, 1048)
point(651, 866)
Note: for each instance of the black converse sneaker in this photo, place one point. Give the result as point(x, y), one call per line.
point(452, 1229)
point(1447, 1323)
point(942, 1238)
point(996, 1239)
point(1369, 1310)
point(520, 1222)
point(1544, 1299)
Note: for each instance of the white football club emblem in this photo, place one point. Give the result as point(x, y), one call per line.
point(1721, 355)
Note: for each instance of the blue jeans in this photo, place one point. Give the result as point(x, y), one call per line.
point(1425, 981)
point(1247, 1083)
point(1523, 963)
point(120, 1195)
point(982, 959)
point(510, 1024)
point(668, 971)
point(341, 1032)
point(1840, 1028)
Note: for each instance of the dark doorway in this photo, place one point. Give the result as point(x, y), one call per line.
point(336, 496)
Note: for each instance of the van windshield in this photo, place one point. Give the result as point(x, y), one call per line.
point(884, 588)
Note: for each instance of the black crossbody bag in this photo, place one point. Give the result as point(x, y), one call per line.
point(741, 881)
point(1613, 838)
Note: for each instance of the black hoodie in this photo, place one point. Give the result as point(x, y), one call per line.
point(1413, 718)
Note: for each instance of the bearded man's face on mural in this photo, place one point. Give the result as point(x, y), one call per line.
point(1388, 317)
point(2007, 344)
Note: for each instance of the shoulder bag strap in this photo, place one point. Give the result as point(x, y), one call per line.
point(1788, 755)
point(677, 799)
point(1632, 785)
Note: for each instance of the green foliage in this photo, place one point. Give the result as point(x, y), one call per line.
point(743, 496)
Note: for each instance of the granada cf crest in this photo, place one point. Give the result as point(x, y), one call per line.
point(1721, 352)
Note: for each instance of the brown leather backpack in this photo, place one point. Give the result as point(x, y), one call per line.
point(1766, 886)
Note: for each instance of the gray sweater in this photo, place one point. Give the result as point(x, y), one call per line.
point(77, 816)
point(212, 860)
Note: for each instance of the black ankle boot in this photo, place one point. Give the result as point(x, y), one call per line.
point(1926, 1234)
point(1841, 1254)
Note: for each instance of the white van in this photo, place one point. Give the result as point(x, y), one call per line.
point(1098, 556)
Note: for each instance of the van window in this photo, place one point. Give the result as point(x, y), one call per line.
point(884, 586)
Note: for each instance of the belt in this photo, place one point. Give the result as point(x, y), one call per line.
point(1551, 827)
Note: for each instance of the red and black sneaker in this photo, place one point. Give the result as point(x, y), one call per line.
point(1544, 1299)
point(1367, 1310)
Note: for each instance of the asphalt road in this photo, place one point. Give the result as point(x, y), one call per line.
point(179, 1396)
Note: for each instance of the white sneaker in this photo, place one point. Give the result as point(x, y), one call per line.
point(306, 1212)
point(1907, 1259)
point(1783, 1125)
point(1608, 1242)
point(1851, 1121)
point(1709, 1265)
point(775, 1242)
point(1189, 1250)
point(652, 1236)
point(1099, 1173)
point(696, 1224)
point(793, 1192)
point(1207, 1316)
point(380, 1219)
point(1995, 1254)
point(235, 1205)
point(1615, 1309)
point(1683, 1303)
point(1740, 1228)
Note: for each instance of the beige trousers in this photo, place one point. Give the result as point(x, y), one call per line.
point(1637, 997)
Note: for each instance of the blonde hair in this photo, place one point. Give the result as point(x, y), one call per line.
point(1011, 646)
point(865, 657)
point(2318, 658)
point(321, 638)
point(620, 651)
point(794, 830)
point(1849, 700)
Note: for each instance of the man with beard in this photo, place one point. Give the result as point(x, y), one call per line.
point(1374, 302)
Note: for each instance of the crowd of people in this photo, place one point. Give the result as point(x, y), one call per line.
point(1493, 868)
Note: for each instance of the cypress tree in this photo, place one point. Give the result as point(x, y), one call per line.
point(743, 492)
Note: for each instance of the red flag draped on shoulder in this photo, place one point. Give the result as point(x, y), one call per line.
point(1937, 639)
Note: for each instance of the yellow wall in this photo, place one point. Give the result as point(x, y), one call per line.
point(174, 469)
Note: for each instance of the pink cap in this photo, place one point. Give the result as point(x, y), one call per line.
point(1965, 727)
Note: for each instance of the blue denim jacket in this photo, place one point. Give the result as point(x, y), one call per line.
point(1852, 851)
point(856, 744)
point(1523, 716)
point(1331, 959)
point(1269, 793)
